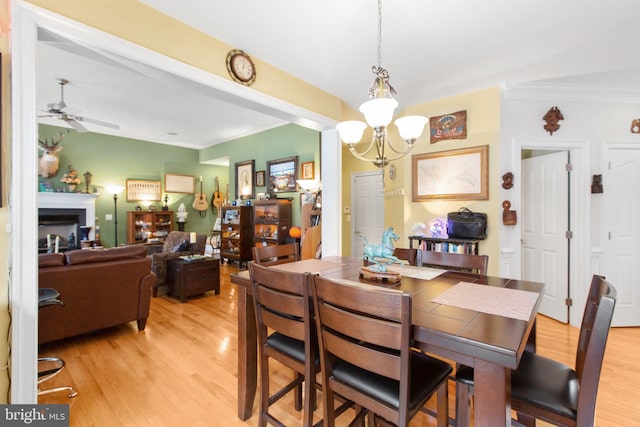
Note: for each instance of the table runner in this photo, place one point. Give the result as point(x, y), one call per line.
point(424, 273)
point(505, 302)
point(307, 265)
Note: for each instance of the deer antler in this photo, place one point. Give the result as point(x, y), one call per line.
point(46, 144)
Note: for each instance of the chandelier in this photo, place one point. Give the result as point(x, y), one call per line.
point(378, 112)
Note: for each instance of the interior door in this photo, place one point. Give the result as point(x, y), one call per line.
point(545, 222)
point(367, 210)
point(621, 200)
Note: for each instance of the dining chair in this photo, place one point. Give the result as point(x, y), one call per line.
point(276, 254)
point(286, 333)
point(364, 333)
point(542, 388)
point(406, 254)
point(463, 262)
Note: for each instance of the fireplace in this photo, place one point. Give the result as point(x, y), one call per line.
point(62, 214)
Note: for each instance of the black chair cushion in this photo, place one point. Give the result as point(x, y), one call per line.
point(541, 382)
point(291, 347)
point(546, 383)
point(426, 374)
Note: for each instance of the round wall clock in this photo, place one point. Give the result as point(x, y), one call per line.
point(241, 67)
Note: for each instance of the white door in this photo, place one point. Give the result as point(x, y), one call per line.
point(621, 200)
point(545, 221)
point(367, 210)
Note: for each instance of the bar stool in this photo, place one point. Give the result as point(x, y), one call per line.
point(46, 297)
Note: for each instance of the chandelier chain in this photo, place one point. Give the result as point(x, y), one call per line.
point(379, 33)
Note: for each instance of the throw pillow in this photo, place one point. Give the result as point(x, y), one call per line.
point(181, 247)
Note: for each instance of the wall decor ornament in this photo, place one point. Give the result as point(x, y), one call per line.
point(635, 126)
point(552, 118)
point(509, 217)
point(507, 180)
point(596, 184)
point(448, 126)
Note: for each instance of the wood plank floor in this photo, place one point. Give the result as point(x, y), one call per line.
point(182, 369)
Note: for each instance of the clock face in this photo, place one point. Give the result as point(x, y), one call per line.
point(241, 67)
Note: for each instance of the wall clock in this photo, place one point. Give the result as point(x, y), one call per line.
point(241, 67)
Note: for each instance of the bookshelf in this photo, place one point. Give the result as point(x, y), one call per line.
point(436, 244)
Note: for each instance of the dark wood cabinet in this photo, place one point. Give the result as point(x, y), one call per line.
point(193, 277)
point(271, 222)
point(148, 226)
point(236, 234)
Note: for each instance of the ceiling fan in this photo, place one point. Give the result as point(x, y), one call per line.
point(57, 110)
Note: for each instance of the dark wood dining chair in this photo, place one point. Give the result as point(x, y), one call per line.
point(286, 333)
point(463, 262)
point(276, 254)
point(544, 389)
point(366, 356)
point(406, 254)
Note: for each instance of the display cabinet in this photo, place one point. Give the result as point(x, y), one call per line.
point(148, 226)
point(236, 234)
point(271, 222)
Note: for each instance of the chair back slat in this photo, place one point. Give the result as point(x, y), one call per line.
point(591, 345)
point(276, 254)
point(464, 262)
point(406, 254)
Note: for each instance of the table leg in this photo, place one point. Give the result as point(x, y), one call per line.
point(247, 354)
point(492, 391)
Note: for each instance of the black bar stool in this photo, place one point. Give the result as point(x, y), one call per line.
point(52, 366)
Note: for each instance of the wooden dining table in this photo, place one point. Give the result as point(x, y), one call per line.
point(486, 327)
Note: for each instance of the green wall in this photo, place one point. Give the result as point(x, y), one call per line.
point(113, 160)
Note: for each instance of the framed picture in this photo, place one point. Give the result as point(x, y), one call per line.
point(452, 175)
point(283, 174)
point(174, 183)
point(245, 185)
point(307, 170)
point(138, 189)
point(448, 126)
point(260, 178)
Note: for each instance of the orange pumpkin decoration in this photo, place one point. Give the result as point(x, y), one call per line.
point(295, 232)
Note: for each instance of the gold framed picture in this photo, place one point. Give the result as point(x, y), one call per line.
point(307, 170)
point(143, 190)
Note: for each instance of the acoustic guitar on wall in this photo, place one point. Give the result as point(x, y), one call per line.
point(200, 202)
point(217, 201)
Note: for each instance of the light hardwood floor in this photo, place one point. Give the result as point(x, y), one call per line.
point(181, 370)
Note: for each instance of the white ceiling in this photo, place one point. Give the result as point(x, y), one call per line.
point(431, 50)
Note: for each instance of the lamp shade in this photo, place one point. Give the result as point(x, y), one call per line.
point(351, 131)
point(378, 112)
point(410, 127)
point(114, 189)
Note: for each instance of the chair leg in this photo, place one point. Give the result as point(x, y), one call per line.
point(298, 392)
point(443, 405)
point(463, 405)
point(50, 373)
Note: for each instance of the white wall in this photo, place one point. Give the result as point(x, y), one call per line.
point(592, 118)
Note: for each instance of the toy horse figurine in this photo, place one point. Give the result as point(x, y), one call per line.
point(383, 250)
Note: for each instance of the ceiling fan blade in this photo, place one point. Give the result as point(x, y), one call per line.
point(97, 122)
point(74, 124)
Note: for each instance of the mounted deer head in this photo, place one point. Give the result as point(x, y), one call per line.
point(49, 163)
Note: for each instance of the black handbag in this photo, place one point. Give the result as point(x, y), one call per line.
point(466, 224)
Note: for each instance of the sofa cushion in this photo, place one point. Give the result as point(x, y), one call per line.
point(88, 256)
point(181, 247)
point(50, 260)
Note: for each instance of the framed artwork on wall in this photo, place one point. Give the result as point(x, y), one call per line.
point(143, 190)
point(451, 175)
point(283, 174)
point(307, 170)
point(260, 178)
point(245, 185)
point(175, 183)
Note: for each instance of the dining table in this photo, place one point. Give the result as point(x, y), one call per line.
point(484, 322)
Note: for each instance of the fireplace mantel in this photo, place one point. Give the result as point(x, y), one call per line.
point(51, 200)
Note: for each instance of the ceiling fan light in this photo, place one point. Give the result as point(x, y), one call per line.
point(351, 131)
point(411, 127)
point(378, 112)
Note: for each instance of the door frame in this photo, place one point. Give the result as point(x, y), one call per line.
point(580, 266)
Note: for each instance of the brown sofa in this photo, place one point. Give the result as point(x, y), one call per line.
point(99, 289)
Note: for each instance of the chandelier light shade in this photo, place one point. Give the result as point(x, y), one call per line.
point(378, 113)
